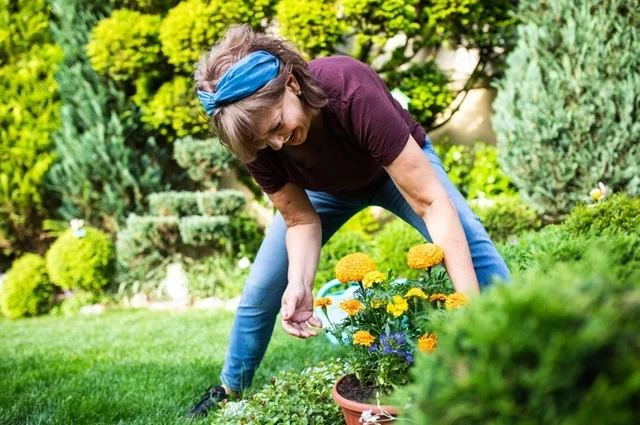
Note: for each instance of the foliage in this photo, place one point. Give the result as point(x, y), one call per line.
point(193, 26)
point(204, 230)
point(145, 6)
point(391, 244)
point(312, 25)
point(426, 87)
point(29, 112)
point(216, 275)
point(388, 319)
point(125, 44)
point(173, 110)
point(504, 216)
point(475, 170)
point(618, 214)
point(291, 397)
point(26, 290)
point(559, 346)
point(223, 202)
point(73, 303)
point(86, 262)
point(566, 119)
point(106, 163)
point(367, 222)
point(245, 235)
point(204, 160)
point(341, 243)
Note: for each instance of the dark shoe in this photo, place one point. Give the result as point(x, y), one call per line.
point(208, 402)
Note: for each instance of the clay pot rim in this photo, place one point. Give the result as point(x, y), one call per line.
point(357, 406)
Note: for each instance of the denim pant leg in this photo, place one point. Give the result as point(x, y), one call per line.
point(260, 301)
point(487, 262)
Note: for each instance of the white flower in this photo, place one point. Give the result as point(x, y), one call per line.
point(243, 263)
point(76, 224)
point(368, 417)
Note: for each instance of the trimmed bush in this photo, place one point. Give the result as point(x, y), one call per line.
point(125, 45)
point(86, 262)
point(158, 233)
point(558, 347)
point(245, 235)
point(205, 231)
point(181, 204)
point(505, 216)
point(566, 119)
point(204, 160)
point(216, 276)
point(146, 6)
point(26, 290)
point(619, 213)
point(341, 243)
point(390, 247)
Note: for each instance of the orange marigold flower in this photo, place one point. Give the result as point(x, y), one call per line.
point(455, 300)
point(363, 338)
point(427, 343)
point(323, 302)
point(437, 297)
point(372, 278)
point(351, 306)
point(424, 256)
point(397, 306)
point(353, 267)
point(416, 292)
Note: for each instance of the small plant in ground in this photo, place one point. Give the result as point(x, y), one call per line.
point(26, 290)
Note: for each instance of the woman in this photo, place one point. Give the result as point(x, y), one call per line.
point(324, 140)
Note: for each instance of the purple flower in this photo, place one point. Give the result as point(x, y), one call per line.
point(514, 241)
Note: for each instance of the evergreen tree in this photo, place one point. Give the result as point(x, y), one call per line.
point(106, 165)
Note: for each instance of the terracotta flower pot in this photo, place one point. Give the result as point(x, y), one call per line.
point(352, 410)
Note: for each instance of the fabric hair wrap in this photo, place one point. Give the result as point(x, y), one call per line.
point(242, 79)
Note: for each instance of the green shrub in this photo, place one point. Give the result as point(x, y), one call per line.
point(85, 263)
point(292, 397)
point(313, 25)
point(245, 235)
point(224, 202)
point(427, 88)
point(153, 233)
point(557, 347)
point(366, 222)
point(205, 231)
point(125, 44)
point(193, 26)
point(505, 216)
point(390, 247)
point(26, 289)
point(204, 160)
point(564, 119)
point(73, 303)
point(619, 213)
point(174, 110)
point(216, 276)
point(341, 243)
point(23, 24)
point(146, 6)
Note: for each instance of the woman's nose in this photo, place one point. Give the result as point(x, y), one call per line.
point(275, 142)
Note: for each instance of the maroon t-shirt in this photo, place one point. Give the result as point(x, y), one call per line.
point(365, 128)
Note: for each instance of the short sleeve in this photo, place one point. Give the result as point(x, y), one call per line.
point(377, 124)
point(265, 172)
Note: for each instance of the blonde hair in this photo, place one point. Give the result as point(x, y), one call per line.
point(236, 124)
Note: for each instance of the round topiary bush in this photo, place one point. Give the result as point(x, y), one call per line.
point(559, 346)
point(27, 290)
point(505, 216)
point(567, 113)
point(81, 262)
point(618, 214)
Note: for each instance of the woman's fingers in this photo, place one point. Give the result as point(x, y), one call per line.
point(300, 330)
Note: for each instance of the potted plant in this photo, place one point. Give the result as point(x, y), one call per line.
point(387, 322)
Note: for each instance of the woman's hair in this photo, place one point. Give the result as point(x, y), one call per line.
point(236, 123)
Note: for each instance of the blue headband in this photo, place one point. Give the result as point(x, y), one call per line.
point(243, 79)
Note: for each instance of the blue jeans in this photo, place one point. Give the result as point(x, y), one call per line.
point(260, 301)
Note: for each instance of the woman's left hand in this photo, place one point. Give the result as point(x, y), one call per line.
point(297, 311)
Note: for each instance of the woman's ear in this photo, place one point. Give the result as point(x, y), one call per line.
point(292, 83)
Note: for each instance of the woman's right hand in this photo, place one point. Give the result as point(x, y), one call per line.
point(297, 311)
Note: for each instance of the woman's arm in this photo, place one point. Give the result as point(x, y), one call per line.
point(419, 184)
point(304, 235)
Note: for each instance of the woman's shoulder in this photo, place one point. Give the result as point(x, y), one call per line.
point(337, 63)
point(343, 76)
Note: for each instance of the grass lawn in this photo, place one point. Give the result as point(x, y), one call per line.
point(125, 367)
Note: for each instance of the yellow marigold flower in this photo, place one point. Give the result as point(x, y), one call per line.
point(376, 303)
point(455, 300)
point(437, 297)
point(323, 302)
point(398, 306)
point(351, 306)
point(353, 267)
point(363, 338)
point(424, 256)
point(416, 292)
point(372, 278)
point(427, 343)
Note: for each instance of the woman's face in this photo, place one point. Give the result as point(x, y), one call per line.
point(288, 123)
